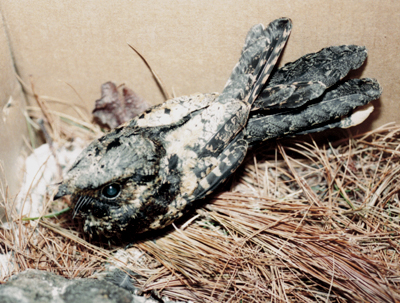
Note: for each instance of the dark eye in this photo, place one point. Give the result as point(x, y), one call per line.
point(111, 191)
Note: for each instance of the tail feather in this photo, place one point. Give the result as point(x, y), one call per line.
point(334, 105)
point(288, 96)
point(357, 117)
point(328, 66)
point(308, 76)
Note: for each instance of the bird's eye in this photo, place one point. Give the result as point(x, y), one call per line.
point(111, 191)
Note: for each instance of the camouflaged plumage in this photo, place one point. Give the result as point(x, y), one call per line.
point(145, 174)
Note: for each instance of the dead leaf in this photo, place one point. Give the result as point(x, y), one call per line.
point(114, 108)
point(134, 104)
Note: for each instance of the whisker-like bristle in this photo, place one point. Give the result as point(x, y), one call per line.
point(78, 205)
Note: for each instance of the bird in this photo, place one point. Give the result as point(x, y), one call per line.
point(147, 173)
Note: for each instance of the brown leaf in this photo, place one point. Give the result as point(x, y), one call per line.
point(114, 109)
point(134, 104)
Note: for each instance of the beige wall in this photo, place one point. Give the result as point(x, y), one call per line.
point(12, 122)
point(192, 44)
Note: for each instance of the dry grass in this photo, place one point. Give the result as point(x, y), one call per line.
point(299, 222)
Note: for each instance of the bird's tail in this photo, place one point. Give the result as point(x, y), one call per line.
point(333, 109)
point(307, 96)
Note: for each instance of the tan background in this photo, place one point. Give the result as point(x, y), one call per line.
point(12, 122)
point(193, 45)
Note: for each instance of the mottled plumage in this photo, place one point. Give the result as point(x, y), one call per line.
point(145, 174)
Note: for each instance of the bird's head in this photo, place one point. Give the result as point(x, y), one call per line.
point(112, 179)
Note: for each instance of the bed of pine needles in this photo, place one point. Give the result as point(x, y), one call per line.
point(298, 222)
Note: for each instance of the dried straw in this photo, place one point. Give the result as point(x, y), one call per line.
point(299, 222)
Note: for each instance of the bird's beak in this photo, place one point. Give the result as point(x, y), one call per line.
point(63, 190)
